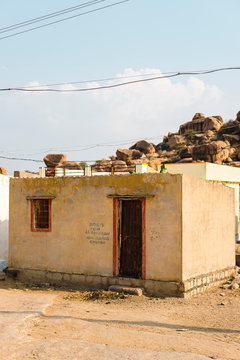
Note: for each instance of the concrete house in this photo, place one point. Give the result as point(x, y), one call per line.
point(228, 175)
point(169, 234)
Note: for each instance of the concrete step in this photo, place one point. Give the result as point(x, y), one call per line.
point(126, 290)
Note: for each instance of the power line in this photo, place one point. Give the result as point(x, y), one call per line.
point(92, 80)
point(64, 19)
point(48, 16)
point(14, 158)
point(187, 73)
point(92, 146)
point(103, 79)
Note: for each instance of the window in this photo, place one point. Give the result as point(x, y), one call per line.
point(41, 214)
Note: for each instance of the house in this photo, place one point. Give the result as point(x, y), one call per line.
point(4, 216)
point(228, 175)
point(172, 235)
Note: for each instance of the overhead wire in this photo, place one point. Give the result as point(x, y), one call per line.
point(91, 80)
point(110, 86)
point(91, 146)
point(48, 16)
point(64, 19)
point(121, 84)
point(103, 79)
point(14, 158)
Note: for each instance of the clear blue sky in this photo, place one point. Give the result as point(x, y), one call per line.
point(136, 37)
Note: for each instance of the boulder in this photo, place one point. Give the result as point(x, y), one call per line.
point(71, 165)
point(3, 171)
point(162, 146)
point(163, 159)
point(198, 116)
point(231, 127)
point(233, 153)
point(126, 154)
point(188, 160)
point(54, 160)
point(186, 152)
point(143, 146)
point(152, 156)
point(199, 135)
point(174, 140)
point(238, 116)
point(235, 163)
point(103, 165)
point(232, 138)
point(119, 166)
point(203, 140)
point(154, 163)
point(196, 126)
point(212, 123)
point(210, 133)
point(216, 151)
point(131, 164)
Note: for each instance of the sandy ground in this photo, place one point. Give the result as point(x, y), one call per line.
point(53, 323)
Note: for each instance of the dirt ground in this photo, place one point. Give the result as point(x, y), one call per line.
point(56, 323)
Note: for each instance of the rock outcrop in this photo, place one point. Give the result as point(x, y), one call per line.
point(201, 139)
point(128, 154)
point(71, 165)
point(204, 138)
point(144, 147)
point(54, 160)
point(215, 152)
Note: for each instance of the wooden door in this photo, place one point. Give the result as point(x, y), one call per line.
point(131, 238)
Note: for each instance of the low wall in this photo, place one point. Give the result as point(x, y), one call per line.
point(156, 288)
point(25, 174)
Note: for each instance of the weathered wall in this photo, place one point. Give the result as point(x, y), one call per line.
point(4, 216)
point(208, 227)
point(82, 202)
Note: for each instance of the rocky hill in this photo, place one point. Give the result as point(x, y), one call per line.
point(201, 139)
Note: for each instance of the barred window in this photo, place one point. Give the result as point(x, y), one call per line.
point(41, 214)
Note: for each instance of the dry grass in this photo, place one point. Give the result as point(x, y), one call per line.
point(95, 295)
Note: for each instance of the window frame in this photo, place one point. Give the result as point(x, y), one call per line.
point(49, 229)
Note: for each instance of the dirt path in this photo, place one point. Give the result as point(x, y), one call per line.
point(46, 324)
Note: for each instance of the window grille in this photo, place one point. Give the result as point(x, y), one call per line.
point(41, 214)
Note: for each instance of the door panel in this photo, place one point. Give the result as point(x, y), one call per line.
point(131, 238)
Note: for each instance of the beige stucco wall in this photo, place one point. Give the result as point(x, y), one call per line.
point(82, 202)
point(222, 172)
point(208, 227)
point(192, 169)
point(213, 172)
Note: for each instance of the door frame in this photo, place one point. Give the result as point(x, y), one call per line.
point(116, 223)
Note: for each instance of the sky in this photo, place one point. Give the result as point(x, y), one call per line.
point(135, 38)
